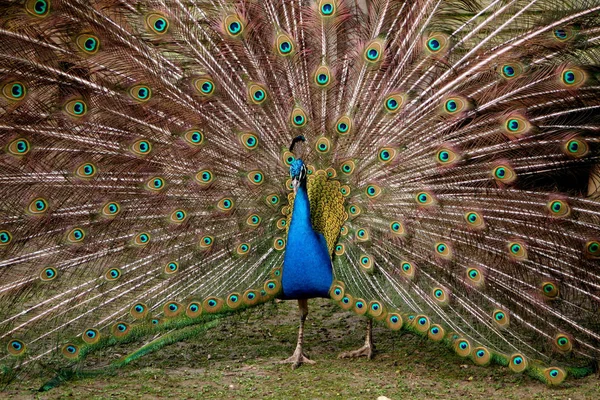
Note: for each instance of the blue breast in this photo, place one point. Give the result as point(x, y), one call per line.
point(307, 271)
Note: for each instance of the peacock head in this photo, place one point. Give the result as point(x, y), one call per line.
point(298, 173)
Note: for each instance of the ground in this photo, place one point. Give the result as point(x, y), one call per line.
point(239, 360)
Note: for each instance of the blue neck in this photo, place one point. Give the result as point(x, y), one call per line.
point(307, 271)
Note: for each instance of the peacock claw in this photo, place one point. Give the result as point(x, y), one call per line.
point(368, 350)
point(297, 359)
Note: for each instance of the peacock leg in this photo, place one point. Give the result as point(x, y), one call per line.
point(298, 358)
point(368, 350)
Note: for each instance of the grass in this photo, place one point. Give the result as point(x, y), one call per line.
point(239, 359)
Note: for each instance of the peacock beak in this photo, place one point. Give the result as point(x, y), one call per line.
point(295, 184)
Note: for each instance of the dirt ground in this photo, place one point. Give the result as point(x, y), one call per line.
point(239, 359)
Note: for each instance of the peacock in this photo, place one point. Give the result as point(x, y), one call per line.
point(431, 165)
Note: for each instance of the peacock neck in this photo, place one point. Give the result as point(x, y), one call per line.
point(307, 271)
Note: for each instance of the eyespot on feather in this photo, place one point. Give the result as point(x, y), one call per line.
point(18, 147)
point(88, 43)
point(38, 8)
point(156, 23)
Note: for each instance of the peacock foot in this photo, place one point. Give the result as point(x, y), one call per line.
point(368, 350)
point(297, 359)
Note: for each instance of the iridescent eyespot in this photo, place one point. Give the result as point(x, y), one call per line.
point(155, 184)
point(354, 210)
point(592, 248)
point(394, 321)
point(5, 237)
point(257, 93)
point(91, 336)
point(575, 147)
point(436, 333)
point(554, 375)
point(76, 108)
point(272, 200)
point(288, 158)
point(517, 251)
point(38, 8)
point(253, 220)
point(407, 269)
point(279, 244)
point(234, 26)
point(171, 267)
point(204, 177)
point(562, 34)
point(481, 356)
point(212, 304)
point(234, 300)
point(172, 309)
point(372, 191)
point(70, 351)
point(474, 276)
point(563, 343)
point(322, 76)
point(139, 311)
point(178, 216)
point(558, 208)
point(348, 167)
point(550, 290)
point(38, 206)
point(474, 220)
point(204, 85)
point(516, 126)
point(343, 125)
point(15, 347)
point(386, 154)
point(193, 309)
point(436, 43)
point(421, 323)
point(157, 23)
point(344, 230)
point(337, 291)
point(206, 241)
point(397, 228)
point(340, 249)
point(462, 347)
point(360, 307)
point(443, 250)
point(284, 45)
point(141, 239)
point(445, 156)
point(281, 223)
point(243, 248)
point(362, 234)
point(500, 318)
point(14, 91)
point(140, 93)
point(345, 190)
point(510, 70)
point(272, 287)
point(394, 102)
point(327, 8)
point(517, 363)
point(322, 145)
point(440, 295)
point(88, 43)
point(249, 141)
point(86, 171)
point(298, 117)
point(18, 147)
point(424, 199)
point(572, 77)
point(455, 105)
point(48, 274)
point(256, 177)
point(194, 137)
point(141, 147)
point(112, 274)
point(504, 174)
point(366, 263)
point(373, 52)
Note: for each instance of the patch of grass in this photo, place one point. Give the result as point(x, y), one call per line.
point(238, 359)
